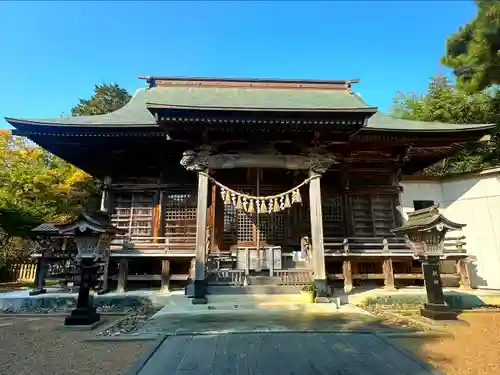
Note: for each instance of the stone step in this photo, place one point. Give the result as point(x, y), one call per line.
point(253, 289)
point(249, 304)
point(254, 298)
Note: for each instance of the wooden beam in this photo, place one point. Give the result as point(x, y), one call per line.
point(346, 214)
point(105, 201)
point(211, 218)
point(156, 216)
point(122, 275)
point(105, 275)
point(201, 161)
point(165, 276)
point(463, 272)
point(347, 273)
point(388, 274)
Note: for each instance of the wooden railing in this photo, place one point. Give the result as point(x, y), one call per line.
point(180, 245)
point(21, 272)
point(396, 245)
point(294, 277)
point(226, 277)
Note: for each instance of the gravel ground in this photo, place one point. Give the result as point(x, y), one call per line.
point(35, 346)
point(475, 350)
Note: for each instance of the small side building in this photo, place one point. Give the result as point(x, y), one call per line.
point(472, 198)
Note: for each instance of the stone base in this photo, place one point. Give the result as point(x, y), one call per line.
point(322, 289)
point(438, 312)
point(36, 292)
point(199, 301)
point(321, 300)
point(199, 289)
point(82, 317)
point(88, 327)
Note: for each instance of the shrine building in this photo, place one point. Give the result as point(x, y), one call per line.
point(245, 183)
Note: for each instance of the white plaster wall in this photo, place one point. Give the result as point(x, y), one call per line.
point(419, 191)
point(472, 200)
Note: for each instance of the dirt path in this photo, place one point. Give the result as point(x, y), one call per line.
point(475, 350)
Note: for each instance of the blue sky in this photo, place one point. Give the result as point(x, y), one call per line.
point(52, 53)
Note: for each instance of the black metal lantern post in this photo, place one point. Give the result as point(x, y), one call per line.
point(426, 229)
point(92, 233)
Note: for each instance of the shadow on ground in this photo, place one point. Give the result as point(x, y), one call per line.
point(272, 321)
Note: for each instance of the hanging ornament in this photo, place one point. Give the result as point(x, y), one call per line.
point(298, 198)
point(287, 201)
point(282, 203)
point(270, 206)
point(251, 206)
point(223, 194)
point(244, 202)
point(227, 198)
point(239, 205)
point(263, 208)
point(233, 199)
point(276, 207)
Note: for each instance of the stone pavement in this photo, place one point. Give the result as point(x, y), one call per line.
point(286, 353)
point(261, 320)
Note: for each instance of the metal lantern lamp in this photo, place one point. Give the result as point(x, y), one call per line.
point(426, 229)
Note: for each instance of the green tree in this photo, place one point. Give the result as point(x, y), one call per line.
point(474, 50)
point(107, 98)
point(36, 186)
point(444, 103)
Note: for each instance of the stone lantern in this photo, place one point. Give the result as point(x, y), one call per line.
point(426, 229)
point(93, 234)
point(44, 237)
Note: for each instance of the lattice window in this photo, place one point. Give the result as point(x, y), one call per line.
point(133, 212)
point(179, 212)
point(333, 218)
point(272, 228)
point(245, 226)
point(373, 215)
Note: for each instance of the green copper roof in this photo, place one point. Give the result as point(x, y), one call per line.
point(382, 122)
point(136, 113)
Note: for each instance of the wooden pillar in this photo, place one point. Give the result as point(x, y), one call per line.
point(165, 276)
point(347, 270)
point(388, 274)
point(201, 238)
point(463, 272)
point(346, 212)
point(318, 251)
point(157, 232)
point(105, 201)
point(105, 207)
point(105, 274)
point(122, 275)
